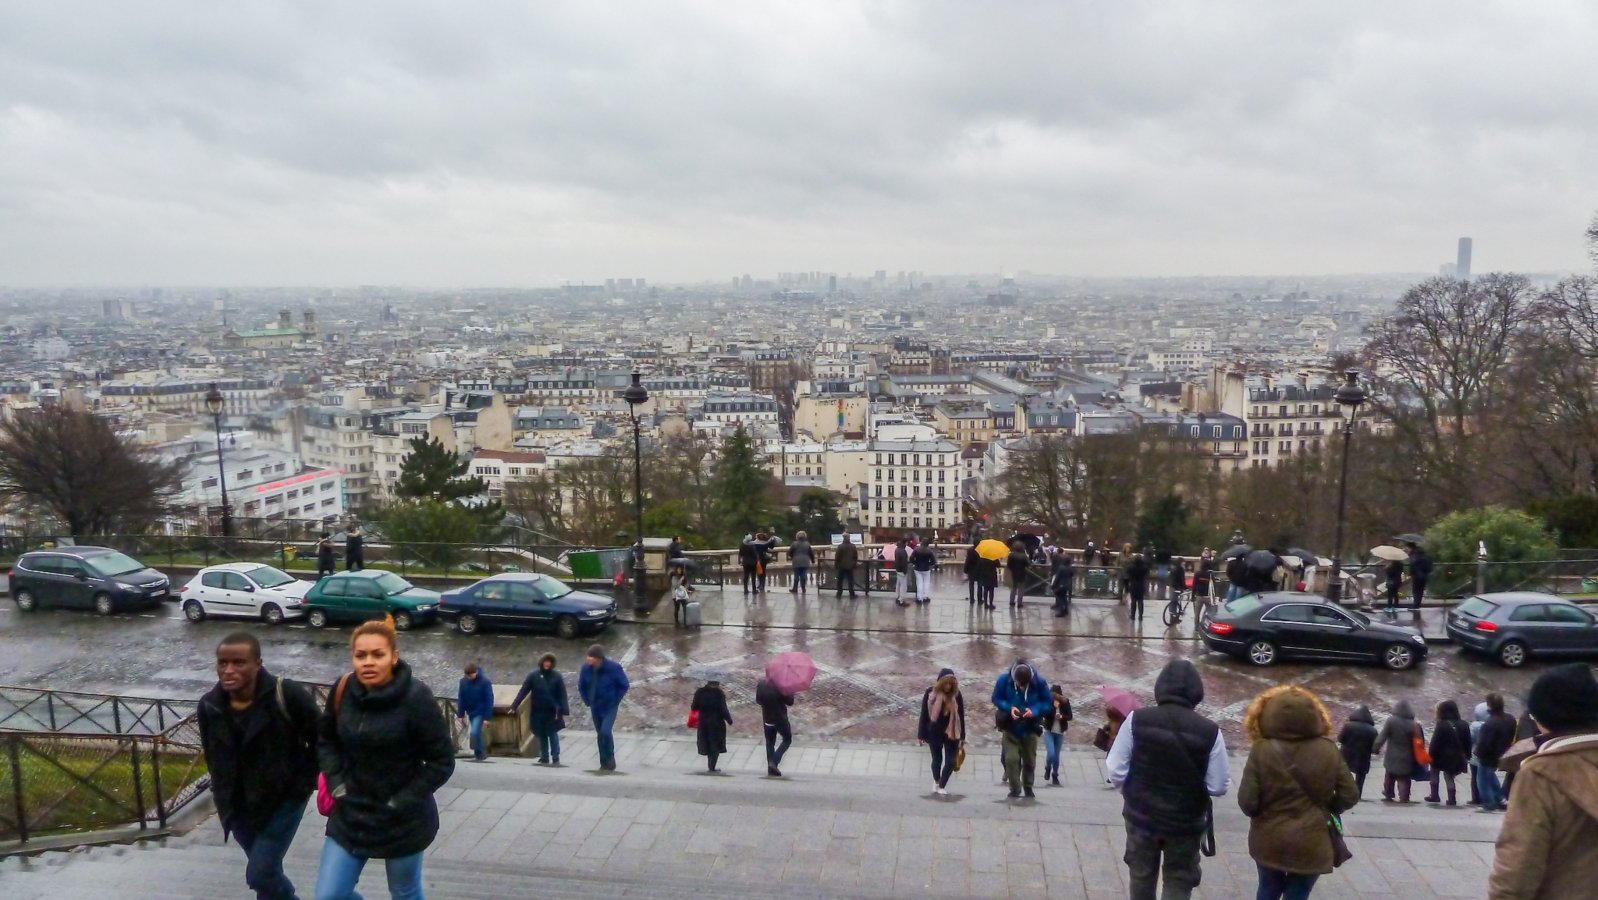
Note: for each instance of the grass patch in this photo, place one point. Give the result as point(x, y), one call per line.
point(56, 799)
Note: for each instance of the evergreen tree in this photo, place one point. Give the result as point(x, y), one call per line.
point(430, 472)
point(742, 489)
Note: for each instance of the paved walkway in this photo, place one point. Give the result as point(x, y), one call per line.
point(851, 820)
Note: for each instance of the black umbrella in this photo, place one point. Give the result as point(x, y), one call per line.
point(1236, 550)
point(1306, 556)
point(1410, 538)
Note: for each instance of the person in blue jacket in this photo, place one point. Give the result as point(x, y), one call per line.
point(474, 704)
point(602, 684)
point(1022, 698)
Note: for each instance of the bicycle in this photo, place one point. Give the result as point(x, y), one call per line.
point(1176, 607)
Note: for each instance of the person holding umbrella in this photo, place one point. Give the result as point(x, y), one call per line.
point(942, 727)
point(1420, 572)
point(787, 674)
point(990, 552)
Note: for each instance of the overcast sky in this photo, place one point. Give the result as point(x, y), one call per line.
point(466, 143)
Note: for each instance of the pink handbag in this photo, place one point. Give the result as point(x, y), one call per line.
point(324, 797)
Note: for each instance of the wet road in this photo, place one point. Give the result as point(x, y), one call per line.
point(869, 689)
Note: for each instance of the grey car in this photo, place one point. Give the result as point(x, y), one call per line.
point(1514, 626)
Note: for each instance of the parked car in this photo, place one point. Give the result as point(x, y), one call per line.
point(1268, 627)
point(1514, 626)
point(244, 590)
point(96, 578)
point(527, 602)
point(369, 594)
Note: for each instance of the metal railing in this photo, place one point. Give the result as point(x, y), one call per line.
point(74, 712)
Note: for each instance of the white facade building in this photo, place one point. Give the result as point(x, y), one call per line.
point(914, 485)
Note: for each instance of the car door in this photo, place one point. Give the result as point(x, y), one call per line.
point(529, 609)
point(1336, 636)
point(1529, 623)
point(364, 599)
point(213, 595)
point(39, 574)
point(1570, 630)
point(73, 587)
point(331, 598)
point(1289, 624)
point(241, 596)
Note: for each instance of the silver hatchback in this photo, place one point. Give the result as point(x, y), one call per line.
point(1514, 626)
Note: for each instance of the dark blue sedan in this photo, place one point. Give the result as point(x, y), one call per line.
point(526, 602)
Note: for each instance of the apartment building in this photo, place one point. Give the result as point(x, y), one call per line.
point(915, 485)
point(499, 467)
point(1287, 420)
point(263, 481)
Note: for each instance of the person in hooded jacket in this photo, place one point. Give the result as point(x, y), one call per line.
point(1357, 740)
point(1545, 848)
point(1018, 564)
point(1021, 697)
point(384, 749)
point(1294, 780)
point(749, 560)
point(710, 702)
point(1396, 743)
point(1062, 582)
point(1137, 585)
point(942, 727)
point(549, 710)
point(1477, 719)
point(802, 557)
point(1168, 761)
point(844, 561)
point(1450, 750)
point(474, 704)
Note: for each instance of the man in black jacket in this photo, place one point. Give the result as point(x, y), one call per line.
point(1497, 736)
point(259, 736)
point(1168, 762)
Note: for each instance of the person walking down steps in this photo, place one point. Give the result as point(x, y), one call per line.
point(942, 727)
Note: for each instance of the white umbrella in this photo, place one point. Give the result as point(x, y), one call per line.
point(1389, 553)
point(1292, 562)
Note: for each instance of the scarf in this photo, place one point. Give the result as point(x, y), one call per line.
point(937, 705)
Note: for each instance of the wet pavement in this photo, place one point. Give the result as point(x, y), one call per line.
point(875, 659)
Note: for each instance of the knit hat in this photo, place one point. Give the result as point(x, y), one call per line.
point(597, 651)
point(1565, 699)
point(945, 671)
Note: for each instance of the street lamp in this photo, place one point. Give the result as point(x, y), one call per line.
point(1350, 396)
point(213, 403)
point(636, 395)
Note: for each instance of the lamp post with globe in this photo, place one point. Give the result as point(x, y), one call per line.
point(1350, 396)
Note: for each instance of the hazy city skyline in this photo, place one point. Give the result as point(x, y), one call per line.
point(408, 143)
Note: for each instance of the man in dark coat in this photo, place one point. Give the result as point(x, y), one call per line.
point(710, 702)
point(774, 716)
point(1137, 585)
point(847, 557)
point(474, 704)
point(324, 555)
point(1420, 572)
point(547, 715)
point(258, 733)
point(602, 685)
point(970, 569)
point(1357, 740)
point(1168, 761)
point(1062, 581)
point(749, 560)
point(1496, 737)
point(354, 548)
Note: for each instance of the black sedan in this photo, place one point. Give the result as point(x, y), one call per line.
point(1265, 628)
point(1514, 626)
point(527, 602)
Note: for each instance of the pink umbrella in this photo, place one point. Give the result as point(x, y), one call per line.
point(1122, 701)
point(890, 552)
point(791, 672)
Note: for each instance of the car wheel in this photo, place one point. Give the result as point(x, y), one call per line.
point(103, 604)
point(566, 628)
point(1261, 652)
point(25, 600)
point(1512, 654)
point(1398, 657)
point(272, 614)
point(317, 618)
point(467, 623)
point(402, 621)
point(193, 611)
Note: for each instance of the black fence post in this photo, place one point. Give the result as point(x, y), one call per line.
point(49, 704)
point(17, 788)
point(138, 783)
point(116, 714)
point(155, 768)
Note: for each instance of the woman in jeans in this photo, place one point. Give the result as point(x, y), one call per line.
point(384, 749)
point(1396, 743)
point(1055, 721)
point(942, 727)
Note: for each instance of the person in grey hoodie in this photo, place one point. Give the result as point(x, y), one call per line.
point(802, 557)
point(1396, 743)
point(1357, 740)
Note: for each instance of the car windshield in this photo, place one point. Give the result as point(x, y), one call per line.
point(1243, 605)
point(551, 588)
point(391, 583)
point(268, 577)
point(113, 564)
point(1363, 620)
point(1477, 608)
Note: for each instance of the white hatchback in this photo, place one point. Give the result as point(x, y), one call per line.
point(246, 591)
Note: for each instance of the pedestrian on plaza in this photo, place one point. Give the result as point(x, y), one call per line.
point(1545, 848)
point(1526, 730)
point(1062, 582)
point(258, 734)
point(1420, 573)
point(766, 553)
point(1021, 697)
point(1396, 743)
point(1294, 784)
point(847, 557)
point(749, 560)
point(710, 702)
point(1394, 574)
point(676, 551)
point(1055, 722)
point(1236, 574)
point(924, 560)
point(1497, 735)
point(942, 727)
point(677, 582)
point(802, 558)
point(1357, 740)
point(1169, 762)
point(1450, 750)
point(546, 688)
point(474, 705)
point(354, 548)
point(384, 750)
point(325, 564)
point(972, 558)
point(901, 572)
point(1477, 720)
point(1017, 563)
point(1164, 574)
point(602, 684)
point(987, 582)
point(1104, 737)
point(1122, 588)
point(1204, 576)
point(1137, 584)
point(774, 716)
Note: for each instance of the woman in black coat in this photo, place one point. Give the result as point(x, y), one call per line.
point(547, 716)
point(1450, 750)
point(972, 561)
point(384, 748)
point(714, 717)
point(1358, 743)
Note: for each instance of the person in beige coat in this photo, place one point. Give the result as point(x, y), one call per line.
point(1545, 848)
point(1294, 782)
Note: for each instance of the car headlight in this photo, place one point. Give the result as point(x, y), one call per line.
point(128, 587)
point(1419, 639)
point(595, 612)
point(424, 607)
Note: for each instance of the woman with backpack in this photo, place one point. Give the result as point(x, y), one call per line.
point(384, 748)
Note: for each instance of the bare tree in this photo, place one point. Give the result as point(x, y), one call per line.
point(74, 466)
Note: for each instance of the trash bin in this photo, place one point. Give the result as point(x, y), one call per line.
point(1364, 590)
